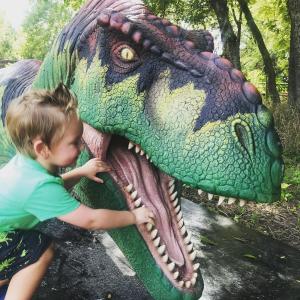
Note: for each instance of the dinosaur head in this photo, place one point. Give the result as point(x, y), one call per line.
point(162, 109)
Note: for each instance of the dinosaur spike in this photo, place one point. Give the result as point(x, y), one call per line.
point(116, 20)
point(137, 36)
point(167, 57)
point(155, 49)
point(189, 44)
point(146, 43)
point(196, 73)
point(103, 19)
point(126, 28)
point(181, 65)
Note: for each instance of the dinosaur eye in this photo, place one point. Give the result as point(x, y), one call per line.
point(127, 54)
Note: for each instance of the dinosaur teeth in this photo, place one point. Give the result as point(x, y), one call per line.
point(179, 216)
point(221, 200)
point(195, 275)
point(196, 266)
point(138, 202)
point(156, 242)
point(177, 209)
point(142, 153)
point(210, 196)
point(181, 283)
point(189, 247)
point(171, 182)
point(200, 192)
point(154, 233)
point(175, 275)
point(130, 145)
point(129, 188)
point(175, 202)
point(173, 196)
point(147, 156)
point(161, 249)
point(133, 195)
point(193, 281)
point(171, 266)
point(165, 258)
point(137, 148)
point(192, 256)
point(242, 202)
point(171, 189)
point(187, 284)
point(149, 226)
point(183, 230)
point(231, 200)
point(187, 239)
point(180, 223)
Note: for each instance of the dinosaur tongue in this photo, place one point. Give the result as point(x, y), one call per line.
point(147, 181)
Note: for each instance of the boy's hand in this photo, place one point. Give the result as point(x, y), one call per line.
point(143, 215)
point(94, 166)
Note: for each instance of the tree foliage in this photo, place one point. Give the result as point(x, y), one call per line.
point(7, 40)
point(42, 25)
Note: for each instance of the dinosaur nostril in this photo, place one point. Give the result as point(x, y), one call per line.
point(264, 116)
point(277, 170)
point(273, 143)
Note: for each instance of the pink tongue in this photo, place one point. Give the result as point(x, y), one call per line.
point(135, 169)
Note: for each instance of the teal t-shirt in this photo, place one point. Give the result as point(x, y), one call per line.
point(29, 195)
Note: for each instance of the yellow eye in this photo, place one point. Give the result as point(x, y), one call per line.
point(127, 54)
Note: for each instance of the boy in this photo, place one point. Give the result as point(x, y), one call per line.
point(45, 128)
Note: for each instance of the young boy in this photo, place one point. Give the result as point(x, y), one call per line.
point(46, 131)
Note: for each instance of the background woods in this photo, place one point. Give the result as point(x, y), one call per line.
point(261, 38)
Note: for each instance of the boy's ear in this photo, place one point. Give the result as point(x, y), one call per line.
point(40, 148)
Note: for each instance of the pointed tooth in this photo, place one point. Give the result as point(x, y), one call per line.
point(187, 239)
point(138, 202)
point(242, 202)
point(156, 242)
point(137, 148)
point(183, 230)
point(231, 200)
point(130, 145)
point(154, 233)
point(171, 189)
point(210, 196)
point(188, 284)
point(129, 187)
point(196, 266)
point(175, 202)
point(142, 152)
point(133, 195)
point(181, 283)
point(165, 258)
point(195, 275)
point(193, 281)
point(221, 199)
point(149, 226)
point(177, 209)
point(179, 216)
point(175, 275)
point(173, 196)
point(147, 156)
point(171, 182)
point(180, 223)
point(200, 192)
point(189, 247)
point(192, 256)
point(171, 266)
point(161, 249)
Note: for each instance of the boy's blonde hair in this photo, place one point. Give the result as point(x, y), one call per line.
point(39, 113)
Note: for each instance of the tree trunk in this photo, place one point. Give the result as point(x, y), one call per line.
point(268, 62)
point(231, 46)
point(294, 60)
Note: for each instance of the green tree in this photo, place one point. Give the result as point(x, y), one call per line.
point(42, 25)
point(7, 41)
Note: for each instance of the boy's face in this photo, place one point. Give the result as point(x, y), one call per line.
point(65, 152)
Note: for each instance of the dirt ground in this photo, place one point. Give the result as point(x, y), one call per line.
point(280, 220)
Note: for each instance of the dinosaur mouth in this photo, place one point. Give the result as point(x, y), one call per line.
point(143, 184)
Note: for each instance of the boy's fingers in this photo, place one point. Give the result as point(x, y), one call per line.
point(97, 179)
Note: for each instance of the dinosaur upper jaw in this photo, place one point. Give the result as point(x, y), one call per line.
point(143, 184)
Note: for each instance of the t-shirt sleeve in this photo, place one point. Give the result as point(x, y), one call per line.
point(50, 199)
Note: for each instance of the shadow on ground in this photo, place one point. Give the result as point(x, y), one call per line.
point(236, 263)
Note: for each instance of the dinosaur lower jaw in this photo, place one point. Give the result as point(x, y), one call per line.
point(143, 184)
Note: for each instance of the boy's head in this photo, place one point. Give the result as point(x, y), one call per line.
point(40, 114)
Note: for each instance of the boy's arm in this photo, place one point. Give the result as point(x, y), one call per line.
point(89, 218)
point(89, 170)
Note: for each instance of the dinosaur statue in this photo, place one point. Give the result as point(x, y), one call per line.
point(163, 110)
